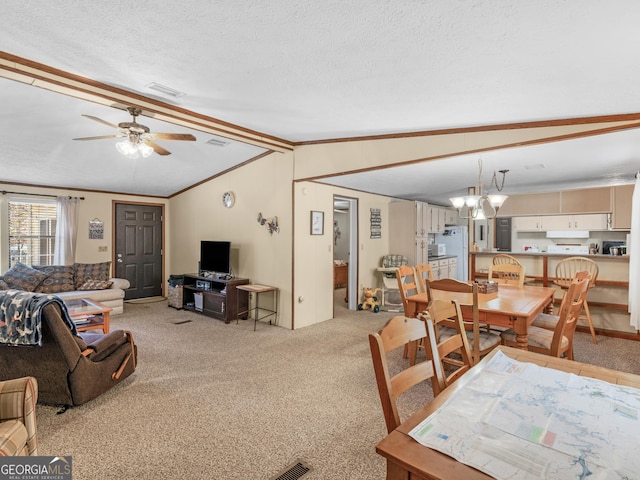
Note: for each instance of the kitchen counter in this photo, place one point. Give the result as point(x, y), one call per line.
point(441, 257)
point(607, 301)
point(549, 254)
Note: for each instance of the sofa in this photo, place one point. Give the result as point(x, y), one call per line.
point(38, 339)
point(69, 282)
point(18, 433)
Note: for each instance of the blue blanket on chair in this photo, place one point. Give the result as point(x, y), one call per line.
point(20, 316)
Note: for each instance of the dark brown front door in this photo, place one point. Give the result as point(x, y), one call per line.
point(139, 248)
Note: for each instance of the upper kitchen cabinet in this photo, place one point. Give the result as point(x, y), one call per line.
point(621, 218)
point(546, 223)
point(531, 204)
point(586, 200)
point(437, 219)
point(450, 216)
point(414, 216)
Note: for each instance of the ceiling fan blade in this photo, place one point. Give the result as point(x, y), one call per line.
point(98, 138)
point(157, 148)
point(172, 136)
point(99, 120)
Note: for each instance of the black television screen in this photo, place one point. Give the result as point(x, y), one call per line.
point(215, 257)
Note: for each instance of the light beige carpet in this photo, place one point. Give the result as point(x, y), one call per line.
point(216, 401)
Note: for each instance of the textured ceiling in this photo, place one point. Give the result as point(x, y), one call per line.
point(305, 71)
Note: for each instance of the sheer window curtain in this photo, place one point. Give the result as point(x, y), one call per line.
point(66, 230)
point(634, 257)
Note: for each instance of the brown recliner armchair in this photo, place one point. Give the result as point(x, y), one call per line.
point(18, 433)
point(70, 369)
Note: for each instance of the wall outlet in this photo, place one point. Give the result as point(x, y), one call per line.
point(102, 248)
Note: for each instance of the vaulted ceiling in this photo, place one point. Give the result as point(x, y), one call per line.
point(291, 71)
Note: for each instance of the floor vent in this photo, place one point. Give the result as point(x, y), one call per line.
point(293, 472)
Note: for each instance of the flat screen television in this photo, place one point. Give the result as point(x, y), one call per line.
point(215, 257)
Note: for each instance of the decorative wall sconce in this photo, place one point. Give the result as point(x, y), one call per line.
point(272, 224)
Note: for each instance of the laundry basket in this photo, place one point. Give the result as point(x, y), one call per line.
point(174, 291)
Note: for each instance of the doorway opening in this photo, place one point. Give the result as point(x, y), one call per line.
point(345, 251)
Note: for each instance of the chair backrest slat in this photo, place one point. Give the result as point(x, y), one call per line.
point(398, 332)
point(507, 274)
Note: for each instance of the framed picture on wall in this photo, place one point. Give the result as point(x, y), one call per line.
point(317, 223)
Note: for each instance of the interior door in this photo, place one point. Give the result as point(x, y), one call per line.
point(138, 248)
point(503, 234)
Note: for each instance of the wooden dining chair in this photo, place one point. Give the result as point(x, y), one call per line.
point(549, 321)
point(482, 340)
point(407, 285)
point(557, 342)
point(566, 270)
point(398, 332)
point(502, 258)
point(449, 352)
point(507, 274)
point(423, 273)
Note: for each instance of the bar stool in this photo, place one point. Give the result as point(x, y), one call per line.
point(566, 271)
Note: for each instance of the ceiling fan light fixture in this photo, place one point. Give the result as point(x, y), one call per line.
point(145, 149)
point(128, 149)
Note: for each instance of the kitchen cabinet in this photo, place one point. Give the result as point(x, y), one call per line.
point(621, 217)
point(450, 216)
point(422, 219)
point(444, 268)
point(527, 224)
point(437, 219)
point(452, 268)
point(531, 204)
point(545, 223)
point(421, 251)
point(408, 230)
point(595, 221)
point(586, 200)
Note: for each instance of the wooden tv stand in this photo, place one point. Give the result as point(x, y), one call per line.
point(220, 297)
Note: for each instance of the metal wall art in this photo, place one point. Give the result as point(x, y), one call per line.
point(272, 225)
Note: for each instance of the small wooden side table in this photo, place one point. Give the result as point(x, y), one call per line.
point(257, 290)
point(89, 314)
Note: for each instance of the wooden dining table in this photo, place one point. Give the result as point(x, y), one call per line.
point(409, 460)
point(511, 306)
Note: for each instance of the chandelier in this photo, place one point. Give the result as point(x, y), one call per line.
point(133, 147)
point(478, 204)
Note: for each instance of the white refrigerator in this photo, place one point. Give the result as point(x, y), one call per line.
point(456, 240)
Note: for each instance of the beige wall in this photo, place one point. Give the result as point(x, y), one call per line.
point(313, 254)
point(263, 186)
point(95, 205)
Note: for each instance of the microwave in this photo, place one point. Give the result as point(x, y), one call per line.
point(437, 250)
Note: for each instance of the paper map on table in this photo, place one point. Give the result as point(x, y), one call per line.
point(519, 421)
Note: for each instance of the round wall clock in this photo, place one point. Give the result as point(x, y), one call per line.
point(228, 199)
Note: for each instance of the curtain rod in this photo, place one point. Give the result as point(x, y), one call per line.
point(4, 192)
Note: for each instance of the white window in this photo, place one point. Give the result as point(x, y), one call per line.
point(32, 231)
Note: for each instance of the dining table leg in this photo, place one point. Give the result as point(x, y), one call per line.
point(396, 472)
point(521, 329)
